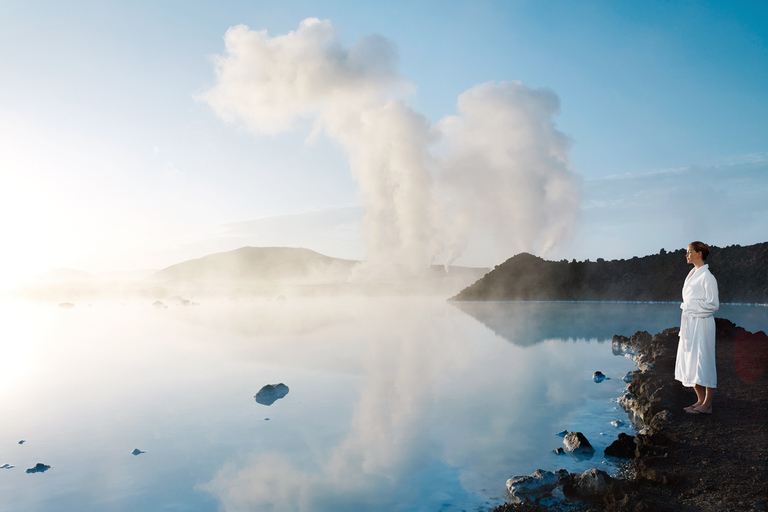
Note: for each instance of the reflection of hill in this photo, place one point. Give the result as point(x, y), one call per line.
point(528, 323)
point(741, 272)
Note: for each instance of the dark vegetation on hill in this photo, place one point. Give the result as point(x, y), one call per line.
point(741, 272)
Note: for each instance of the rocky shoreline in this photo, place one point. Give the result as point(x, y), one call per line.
point(677, 461)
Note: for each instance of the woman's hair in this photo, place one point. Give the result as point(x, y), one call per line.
point(702, 248)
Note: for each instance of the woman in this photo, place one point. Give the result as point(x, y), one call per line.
point(695, 365)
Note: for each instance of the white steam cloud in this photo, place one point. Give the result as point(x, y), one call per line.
point(500, 166)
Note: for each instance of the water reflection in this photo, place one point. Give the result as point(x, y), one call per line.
point(527, 323)
point(394, 404)
point(445, 415)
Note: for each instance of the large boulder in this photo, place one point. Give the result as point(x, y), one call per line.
point(592, 485)
point(623, 447)
point(540, 483)
point(578, 446)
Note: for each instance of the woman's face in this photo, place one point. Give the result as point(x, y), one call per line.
point(693, 257)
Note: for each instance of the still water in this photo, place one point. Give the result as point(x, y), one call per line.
point(407, 404)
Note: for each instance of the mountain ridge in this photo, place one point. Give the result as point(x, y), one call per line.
point(741, 273)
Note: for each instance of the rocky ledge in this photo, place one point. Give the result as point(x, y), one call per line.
point(677, 461)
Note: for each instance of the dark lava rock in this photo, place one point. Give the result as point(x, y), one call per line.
point(623, 447)
point(39, 468)
point(590, 485)
point(271, 393)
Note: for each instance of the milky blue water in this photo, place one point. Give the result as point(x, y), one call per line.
point(394, 404)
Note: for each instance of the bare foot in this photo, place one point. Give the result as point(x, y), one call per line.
point(698, 410)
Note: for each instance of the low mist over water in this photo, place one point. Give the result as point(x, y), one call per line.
point(406, 403)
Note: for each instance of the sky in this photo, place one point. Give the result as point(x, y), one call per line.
point(136, 135)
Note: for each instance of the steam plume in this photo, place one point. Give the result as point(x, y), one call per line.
point(500, 163)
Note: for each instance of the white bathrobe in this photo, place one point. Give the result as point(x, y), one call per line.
point(696, 351)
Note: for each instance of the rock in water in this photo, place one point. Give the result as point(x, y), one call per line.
point(538, 484)
point(39, 468)
point(578, 446)
point(598, 376)
point(271, 393)
point(137, 451)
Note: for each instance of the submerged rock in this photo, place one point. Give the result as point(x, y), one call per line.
point(540, 483)
point(617, 423)
point(629, 376)
point(563, 433)
point(6, 466)
point(598, 376)
point(136, 451)
point(22, 441)
point(271, 393)
point(39, 468)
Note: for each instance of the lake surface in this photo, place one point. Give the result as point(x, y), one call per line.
point(407, 404)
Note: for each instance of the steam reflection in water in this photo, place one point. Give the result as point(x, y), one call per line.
point(395, 404)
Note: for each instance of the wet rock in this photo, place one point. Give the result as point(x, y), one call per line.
point(559, 451)
point(271, 393)
point(598, 376)
point(137, 452)
point(578, 446)
point(623, 447)
point(540, 483)
point(22, 441)
point(617, 423)
point(563, 433)
point(629, 376)
point(39, 468)
point(6, 466)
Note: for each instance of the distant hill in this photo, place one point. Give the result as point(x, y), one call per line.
point(741, 272)
point(263, 264)
point(61, 275)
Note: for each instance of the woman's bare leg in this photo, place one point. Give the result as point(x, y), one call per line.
point(701, 395)
point(706, 405)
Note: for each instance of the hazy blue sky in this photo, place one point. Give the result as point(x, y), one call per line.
point(113, 156)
